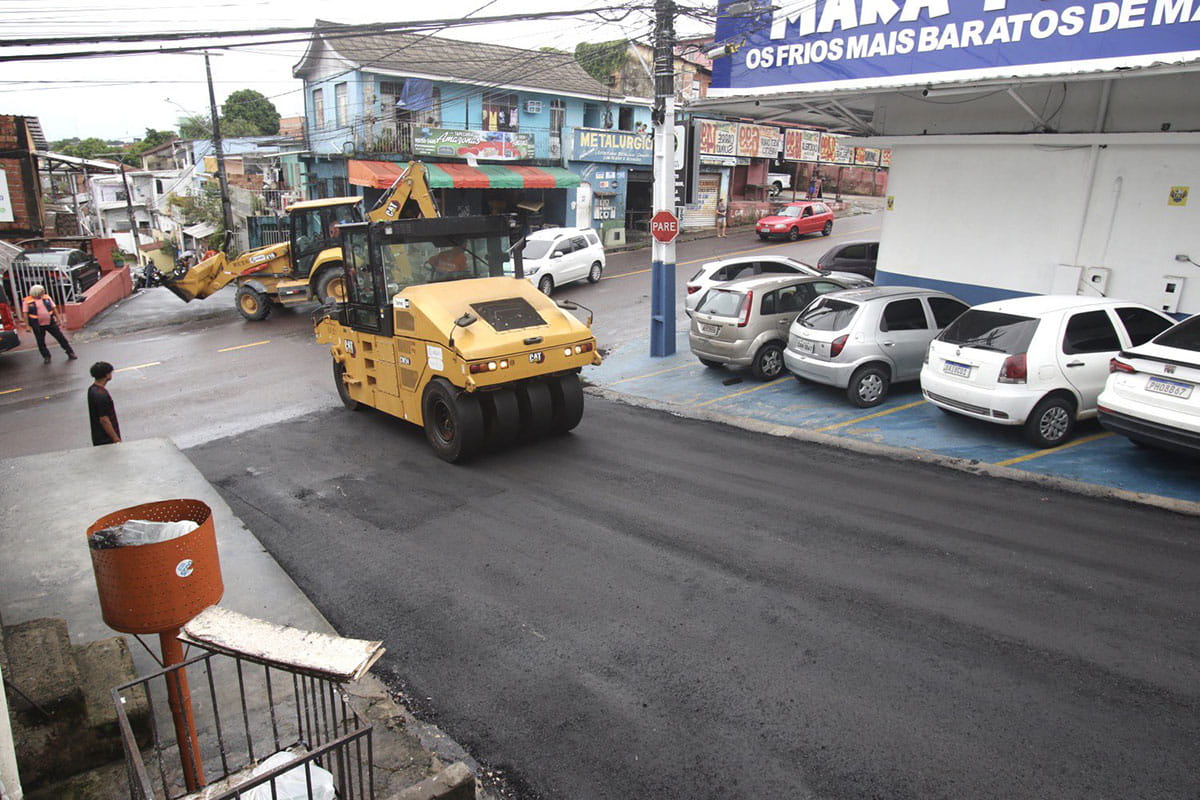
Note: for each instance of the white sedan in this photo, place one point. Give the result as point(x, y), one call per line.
point(1153, 391)
point(730, 269)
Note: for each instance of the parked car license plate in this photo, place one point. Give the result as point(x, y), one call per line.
point(804, 346)
point(957, 369)
point(709, 330)
point(1172, 388)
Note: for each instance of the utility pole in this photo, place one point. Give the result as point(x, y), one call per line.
point(662, 267)
point(226, 211)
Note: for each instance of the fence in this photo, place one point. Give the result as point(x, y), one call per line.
point(245, 712)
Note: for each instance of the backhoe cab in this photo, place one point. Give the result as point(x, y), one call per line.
point(433, 332)
point(309, 265)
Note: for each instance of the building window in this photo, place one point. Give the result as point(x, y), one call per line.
point(558, 112)
point(626, 119)
point(318, 109)
point(499, 111)
point(342, 103)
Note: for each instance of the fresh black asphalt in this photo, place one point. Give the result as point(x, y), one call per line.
point(660, 607)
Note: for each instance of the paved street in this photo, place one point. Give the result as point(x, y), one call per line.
point(656, 607)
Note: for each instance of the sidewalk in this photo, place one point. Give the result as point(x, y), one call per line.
point(50, 499)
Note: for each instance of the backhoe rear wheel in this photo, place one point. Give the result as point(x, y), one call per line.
point(453, 422)
point(252, 304)
point(343, 390)
point(568, 402)
point(331, 285)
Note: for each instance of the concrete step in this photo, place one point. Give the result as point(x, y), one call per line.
point(42, 666)
point(104, 665)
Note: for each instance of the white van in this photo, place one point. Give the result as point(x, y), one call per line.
point(556, 256)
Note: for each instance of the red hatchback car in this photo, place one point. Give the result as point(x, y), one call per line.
point(796, 219)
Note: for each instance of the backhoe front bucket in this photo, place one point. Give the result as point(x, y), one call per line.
point(202, 279)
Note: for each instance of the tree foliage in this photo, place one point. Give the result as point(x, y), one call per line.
point(251, 108)
point(602, 60)
point(91, 147)
point(196, 126)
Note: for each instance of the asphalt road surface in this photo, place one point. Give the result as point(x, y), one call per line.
point(198, 379)
point(658, 607)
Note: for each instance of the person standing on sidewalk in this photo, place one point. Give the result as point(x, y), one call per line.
point(102, 414)
point(722, 212)
point(42, 316)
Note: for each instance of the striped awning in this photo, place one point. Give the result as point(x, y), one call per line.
point(382, 174)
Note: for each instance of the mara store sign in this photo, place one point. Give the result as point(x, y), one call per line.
point(840, 44)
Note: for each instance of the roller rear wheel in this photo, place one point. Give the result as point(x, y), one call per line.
point(342, 389)
point(537, 409)
point(453, 422)
point(501, 418)
point(568, 402)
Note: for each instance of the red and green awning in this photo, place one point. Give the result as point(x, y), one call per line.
point(382, 174)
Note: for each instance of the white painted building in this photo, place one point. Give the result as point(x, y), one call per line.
point(1025, 179)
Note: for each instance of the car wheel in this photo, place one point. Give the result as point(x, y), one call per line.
point(828, 229)
point(708, 362)
point(764, 236)
point(453, 422)
point(1052, 422)
point(331, 285)
point(252, 304)
point(794, 234)
point(868, 386)
point(343, 391)
point(595, 272)
point(768, 362)
point(546, 285)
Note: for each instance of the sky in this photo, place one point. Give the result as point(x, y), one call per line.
point(118, 97)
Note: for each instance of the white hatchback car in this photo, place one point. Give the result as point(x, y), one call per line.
point(557, 256)
point(1153, 392)
point(1037, 361)
point(730, 269)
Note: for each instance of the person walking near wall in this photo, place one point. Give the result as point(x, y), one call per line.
point(722, 213)
point(102, 414)
point(42, 316)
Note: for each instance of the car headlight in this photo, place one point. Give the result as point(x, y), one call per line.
point(531, 271)
point(780, 227)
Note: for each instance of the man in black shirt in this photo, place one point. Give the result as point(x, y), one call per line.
point(101, 413)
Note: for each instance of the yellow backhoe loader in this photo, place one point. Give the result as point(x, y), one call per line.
point(306, 267)
point(439, 327)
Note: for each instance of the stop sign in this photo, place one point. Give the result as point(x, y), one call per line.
point(664, 226)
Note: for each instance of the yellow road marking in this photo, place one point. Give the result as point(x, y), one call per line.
point(723, 256)
point(651, 374)
point(1040, 453)
point(243, 346)
point(10, 391)
point(624, 274)
point(744, 391)
point(849, 422)
point(138, 366)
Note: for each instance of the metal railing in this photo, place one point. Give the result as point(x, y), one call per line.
point(23, 274)
point(245, 712)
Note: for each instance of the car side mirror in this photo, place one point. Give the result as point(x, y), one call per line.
point(556, 254)
point(568, 305)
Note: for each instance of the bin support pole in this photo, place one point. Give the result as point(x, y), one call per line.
point(179, 697)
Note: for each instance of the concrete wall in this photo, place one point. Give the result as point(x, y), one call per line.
point(991, 217)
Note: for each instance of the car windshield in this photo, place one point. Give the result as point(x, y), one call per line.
point(536, 248)
point(827, 314)
point(47, 259)
point(792, 211)
point(1185, 335)
point(991, 330)
point(721, 303)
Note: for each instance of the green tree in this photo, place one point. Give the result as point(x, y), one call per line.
point(90, 147)
point(196, 126)
point(601, 60)
point(251, 107)
point(236, 126)
point(151, 140)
